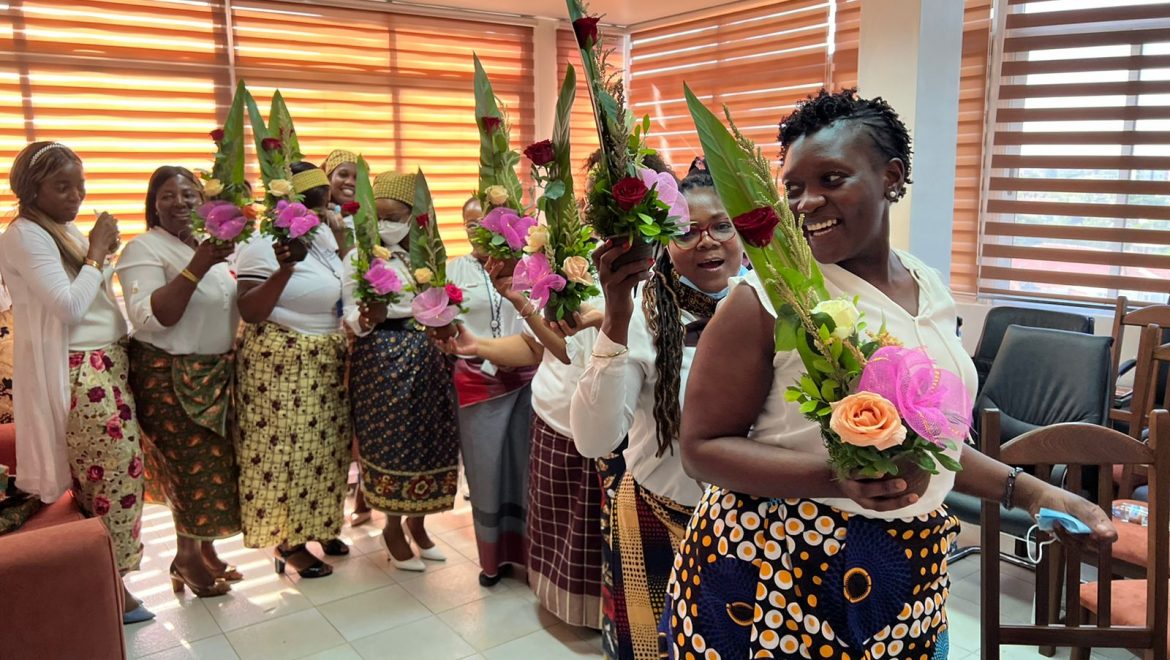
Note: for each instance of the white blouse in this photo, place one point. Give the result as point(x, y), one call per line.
point(484, 304)
point(782, 425)
point(398, 310)
point(210, 321)
point(615, 397)
point(555, 382)
point(311, 301)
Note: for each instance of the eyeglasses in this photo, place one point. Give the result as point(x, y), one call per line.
point(720, 232)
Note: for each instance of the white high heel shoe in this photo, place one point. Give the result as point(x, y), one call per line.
point(432, 553)
point(413, 564)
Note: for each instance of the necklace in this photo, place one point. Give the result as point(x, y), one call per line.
point(494, 300)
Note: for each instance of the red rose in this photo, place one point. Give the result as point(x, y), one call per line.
point(125, 412)
point(114, 428)
point(96, 394)
point(101, 506)
point(490, 124)
point(129, 501)
point(270, 143)
point(349, 208)
point(135, 469)
point(629, 192)
point(586, 30)
point(95, 473)
point(541, 153)
point(757, 226)
point(217, 135)
point(454, 294)
point(423, 219)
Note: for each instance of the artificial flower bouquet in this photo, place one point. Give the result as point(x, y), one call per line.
point(227, 215)
point(504, 229)
point(437, 303)
point(879, 405)
point(377, 282)
point(557, 273)
point(627, 202)
point(285, 218)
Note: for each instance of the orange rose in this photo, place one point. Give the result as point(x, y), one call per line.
point(866, 419)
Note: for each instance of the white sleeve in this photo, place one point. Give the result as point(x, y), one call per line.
point(141, 273)
point(38, 259)
point(350, 315)
point(402, 308)
point(256, 260)
point(603, 404)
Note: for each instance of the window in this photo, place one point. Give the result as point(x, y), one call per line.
point(1078, 199)
point(582, 129)
point(969, 149)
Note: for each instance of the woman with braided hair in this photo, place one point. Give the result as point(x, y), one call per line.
point(633, 385)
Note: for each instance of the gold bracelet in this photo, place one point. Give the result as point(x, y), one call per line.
point(190, 276)
point(606, 356)
point(93, 262)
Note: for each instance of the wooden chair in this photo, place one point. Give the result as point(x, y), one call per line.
point(1140, 317)
point(1134, 419)
point(1142, 621)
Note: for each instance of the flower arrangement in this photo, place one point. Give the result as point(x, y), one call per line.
point(879, 406)
point(228, 215)
point(285, 218)
point(624, 201)
point(504, 229)
point(376, 279)
point(557, 273)
point(437, 303)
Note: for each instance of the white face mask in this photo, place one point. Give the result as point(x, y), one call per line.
point(392, 233)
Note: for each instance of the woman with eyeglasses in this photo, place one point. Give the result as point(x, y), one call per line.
point(633, 385)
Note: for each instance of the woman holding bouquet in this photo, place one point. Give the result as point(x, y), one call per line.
point(291, 398)
point(181, 300)
point(633, 384)
point(404, 401)
point(76, 426)
point(844, 568)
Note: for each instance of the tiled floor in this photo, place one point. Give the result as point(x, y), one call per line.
point(369, 609)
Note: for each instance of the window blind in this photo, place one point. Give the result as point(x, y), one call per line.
point(1078, 203)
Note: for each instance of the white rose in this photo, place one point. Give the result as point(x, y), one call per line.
point(496, 195)
point(537, 239)
point(212, 187)
point(280, 187)
point(423, 275)
point(844, 314)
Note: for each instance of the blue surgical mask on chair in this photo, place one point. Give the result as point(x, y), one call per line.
point(718, 295)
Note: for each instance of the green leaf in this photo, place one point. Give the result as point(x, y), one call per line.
point(808, 407)
point(793, 394)
point(949, 463)
point(724, 159)
point(822, 365)
point(809, 387)
point(365, 221)
point(829, 390)
point(280, 124)
point(498, 239)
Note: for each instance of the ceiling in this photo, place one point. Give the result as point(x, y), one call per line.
point(615, 12)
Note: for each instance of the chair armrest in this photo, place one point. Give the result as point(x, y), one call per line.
point(57, 574)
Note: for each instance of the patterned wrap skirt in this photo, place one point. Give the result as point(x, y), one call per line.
point(610, 470)
point(564, 528)
point(404, 415)
point(294, 435)
point(6, 344)
point(759, 578)
point(105, 451)
point(184, 406)
point(646, 530)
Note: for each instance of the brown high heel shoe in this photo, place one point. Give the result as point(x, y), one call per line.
point(178, 581)
point(229, 574)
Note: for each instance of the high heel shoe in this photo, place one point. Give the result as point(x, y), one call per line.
point(432, 553)
point(179, 581)
point(335, 547)
point(358, 518)
point(318, 569)
point(230, 574)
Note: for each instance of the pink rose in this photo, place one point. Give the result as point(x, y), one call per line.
point(433, 308)
point(454, 294)
point(75, 360)
point(101, 506)
point(223, 221)
point(382, 279)
point(96, 361)
point(511, 225)
point(114, 428)
point(135, 470)
point(136, 530)
point(95, 473)
point(296, 218)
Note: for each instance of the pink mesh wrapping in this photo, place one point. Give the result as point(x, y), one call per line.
point(930, 400)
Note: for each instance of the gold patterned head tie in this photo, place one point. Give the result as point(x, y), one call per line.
point(309, 179)
point(337, 158)
point(396, 186)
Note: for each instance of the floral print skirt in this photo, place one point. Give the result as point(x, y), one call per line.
point(405, 421)
point(6, 367)
point(105, 454)
point(294, 437)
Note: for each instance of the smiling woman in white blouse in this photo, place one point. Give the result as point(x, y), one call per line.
point(75, 421)
point(181, 300)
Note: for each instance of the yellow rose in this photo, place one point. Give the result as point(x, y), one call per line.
point(576, 269)
point(496, 195)
point(212, 187)
point(423, 276)
point(280, 187)
point(844, 314)
point(381, 252)
point(537, 239)
point(865, 419)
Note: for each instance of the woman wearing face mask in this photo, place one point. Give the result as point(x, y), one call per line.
point(404, 401)
point(633, 385)
point(181, 300)
point(291, 398)
point(75, 420)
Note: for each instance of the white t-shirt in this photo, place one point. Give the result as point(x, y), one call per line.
point(484, 304)
point(555, 382)
point(781, 423)
point(311, 301)
point(209, 323)
point(398, 310)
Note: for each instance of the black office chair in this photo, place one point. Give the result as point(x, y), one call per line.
point(1040, 377)
point(998, 320)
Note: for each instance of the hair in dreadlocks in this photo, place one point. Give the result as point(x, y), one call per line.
point(879, 120)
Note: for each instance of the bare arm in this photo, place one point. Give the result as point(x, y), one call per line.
point(256, 300)
point(169, 302)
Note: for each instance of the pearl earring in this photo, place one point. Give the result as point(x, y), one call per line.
point(892, 195)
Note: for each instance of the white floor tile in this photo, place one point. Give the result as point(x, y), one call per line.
point(426, 639)
point(293, 636)
point(212, 648)
point(559, 642)
point(351, 576)
point(490, 622)
point(181, 621)
point(343, 652)
point(442, 589)
point(257, 599)
point(372, 612)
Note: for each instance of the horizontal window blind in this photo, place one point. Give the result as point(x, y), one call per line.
point(759, 61)
point(846, 41)
point(1078, 203)
point(582, 127)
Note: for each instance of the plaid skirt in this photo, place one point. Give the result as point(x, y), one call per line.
point(758, 578)
point(564, 528)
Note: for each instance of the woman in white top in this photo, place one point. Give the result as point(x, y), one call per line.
point(75, 421)
point(634, 385)
point(291, 399)
point(181, 299)
point(403, 398)
point(781, 558)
